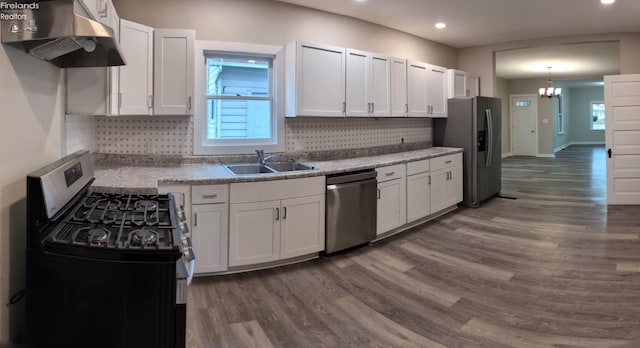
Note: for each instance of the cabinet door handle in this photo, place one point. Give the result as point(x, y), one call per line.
point(209, 196)
point(344, 107)
point(447, 162)
point(195, 219)
point(277, 214)
point(150, 101)
point(406, 108)
point(378, 191)
point(429, 180)
point(102, 7)
point(119, 100)
point(284, 213)
point(189, 104)
point(390, 173)
point(373, 108)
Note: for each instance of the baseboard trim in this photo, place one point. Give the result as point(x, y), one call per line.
point(507, 154)
point(546, 155)
point(562, 147)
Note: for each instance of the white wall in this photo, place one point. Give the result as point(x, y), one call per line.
point(481, 59)
point(275, 23)
point(580, 104)
point(32, 136)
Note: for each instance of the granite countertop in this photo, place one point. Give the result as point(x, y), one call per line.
point(145, 179)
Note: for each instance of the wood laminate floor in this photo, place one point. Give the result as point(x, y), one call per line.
point(555, 267)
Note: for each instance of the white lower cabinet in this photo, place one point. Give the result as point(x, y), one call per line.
point(446, 181)
point(276, 220)
point(418, 193)
point(254, 233)
point(302, 226)
point(209, 237)
point(210, 227)
point(392, 201)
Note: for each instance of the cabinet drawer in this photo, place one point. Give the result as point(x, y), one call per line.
point(417, 167)
point(391, 172)
point(448, 161)
point(203, 194)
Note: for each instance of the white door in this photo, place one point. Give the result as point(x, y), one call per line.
point(437, 91)
point(320, 80)
point(302, 227)
point(392, 205)
point(209, 235)
point(399, 87)
point(136, 77)
point(380, 83)
point(417, 89)
point(418, 196)
point(173, 71)
point(622, 133)
point(357, 92)
point(524, 120)
point(254, 233)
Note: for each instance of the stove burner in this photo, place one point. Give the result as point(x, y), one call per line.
point(144, 238)
point(97, 236)
point(145, 204)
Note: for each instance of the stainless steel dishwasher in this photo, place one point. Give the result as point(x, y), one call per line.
point(351, 210)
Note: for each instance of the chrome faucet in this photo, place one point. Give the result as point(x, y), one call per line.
point(261, 159)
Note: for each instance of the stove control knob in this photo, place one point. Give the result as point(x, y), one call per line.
point(188, 254)
point(184, 228)
point(181, 214)
point(186, 242)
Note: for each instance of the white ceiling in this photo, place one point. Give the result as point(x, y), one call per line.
point(481, 22)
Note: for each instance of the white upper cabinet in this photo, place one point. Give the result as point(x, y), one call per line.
point(136, 77)
point(315, 80)
point(173, 71)
point(417, 88)
point(368, 91)
point(358, 83)
point(437, 91)
point(399, 105)
point(462, 84)
point(380, 86)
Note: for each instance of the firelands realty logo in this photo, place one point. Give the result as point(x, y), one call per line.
point(18, 11)
point(10, 11)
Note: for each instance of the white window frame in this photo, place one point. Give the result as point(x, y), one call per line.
point(202, 146)
point(560, 117)
point(591, 116)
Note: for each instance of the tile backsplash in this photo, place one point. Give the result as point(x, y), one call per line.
point(80, 133)
point(173, 135)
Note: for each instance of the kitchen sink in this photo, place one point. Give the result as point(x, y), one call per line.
point(288, 166)
point(274, 167)
point(248, 168)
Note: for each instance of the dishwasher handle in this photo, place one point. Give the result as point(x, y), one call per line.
point(351, 177)
point(333, 187)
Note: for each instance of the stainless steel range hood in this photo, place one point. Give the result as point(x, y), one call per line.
point(51, 30)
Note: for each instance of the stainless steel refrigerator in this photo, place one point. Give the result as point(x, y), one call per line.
point(475, 125)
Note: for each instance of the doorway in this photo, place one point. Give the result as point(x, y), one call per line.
point(524, 121)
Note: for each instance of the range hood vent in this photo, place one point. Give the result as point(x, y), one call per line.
point(51, 30)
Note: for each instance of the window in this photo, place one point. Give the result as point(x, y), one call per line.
point(597, 115)
point(560, 117)
point(560, 124)
point(236, 100)
point(238, 91)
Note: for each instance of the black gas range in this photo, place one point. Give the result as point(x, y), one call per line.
point(103, 270)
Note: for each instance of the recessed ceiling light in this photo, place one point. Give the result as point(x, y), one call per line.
point(361, 0)
point(440, 25)
point(607, 2)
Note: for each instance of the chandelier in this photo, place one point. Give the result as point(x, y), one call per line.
point(549, 91)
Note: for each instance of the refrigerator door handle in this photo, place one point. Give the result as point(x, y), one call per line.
point(487, 114)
